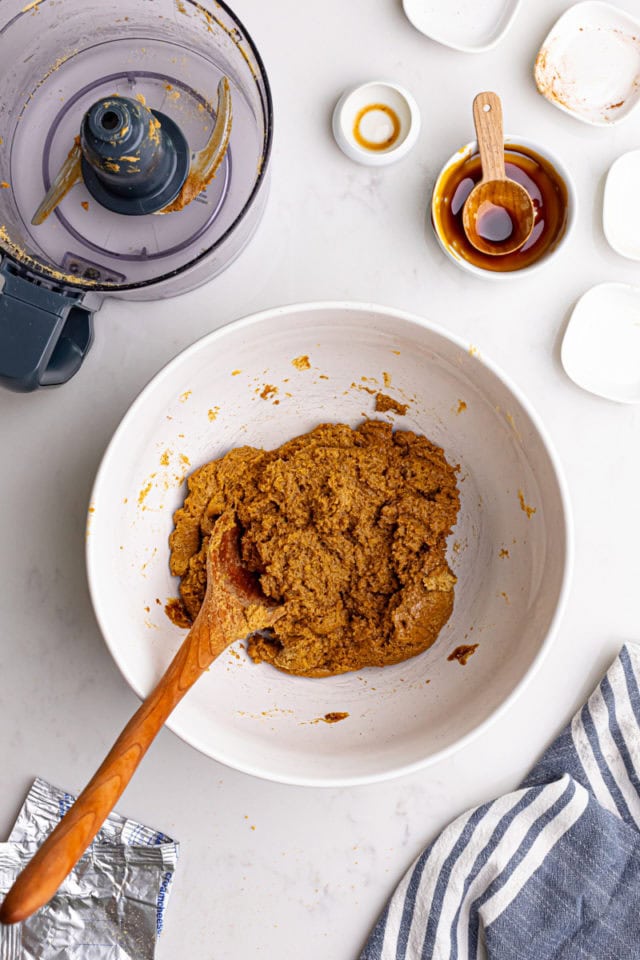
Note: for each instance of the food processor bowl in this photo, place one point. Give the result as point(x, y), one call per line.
point(58, 59)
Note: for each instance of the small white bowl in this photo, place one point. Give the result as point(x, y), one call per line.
point(572, 206)
point(601, 345)
point(399, 118)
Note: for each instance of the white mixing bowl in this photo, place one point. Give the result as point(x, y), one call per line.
point(512, 563)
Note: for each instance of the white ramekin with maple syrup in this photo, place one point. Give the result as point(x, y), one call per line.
point(549, 185)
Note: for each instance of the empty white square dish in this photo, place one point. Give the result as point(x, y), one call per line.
point(589, 64)
point(621, 207)
point(462, 24)
point(601, 345)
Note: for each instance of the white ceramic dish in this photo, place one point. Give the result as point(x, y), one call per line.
point(376, 126)
point(572, 209)
point(589, 63)
point(464, 25)
point(601, 345)
point(621, 205)
point(512, 565)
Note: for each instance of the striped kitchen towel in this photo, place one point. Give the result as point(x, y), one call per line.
point(551, 870)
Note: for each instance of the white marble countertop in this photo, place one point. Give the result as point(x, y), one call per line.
point(312, 876)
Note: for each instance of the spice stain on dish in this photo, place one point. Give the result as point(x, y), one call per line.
point(463, 652)
point(462, 406)
point(589, 63)
point(212, 413)
point(268, 391)
point(524, 506)
point(504, 553)
point(185, 396)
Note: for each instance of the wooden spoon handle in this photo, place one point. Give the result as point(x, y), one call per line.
point(60, 852)
point(487, 117)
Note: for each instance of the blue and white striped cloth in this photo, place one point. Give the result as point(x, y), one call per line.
point(551, 870)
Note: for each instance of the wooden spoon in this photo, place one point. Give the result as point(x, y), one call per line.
point(233, 607)
point(498, 214)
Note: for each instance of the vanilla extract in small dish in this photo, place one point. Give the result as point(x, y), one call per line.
point(542, 182)
point(376, 127)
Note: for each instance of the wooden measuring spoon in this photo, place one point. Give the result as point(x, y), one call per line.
point(498, 214)
point(233, 607)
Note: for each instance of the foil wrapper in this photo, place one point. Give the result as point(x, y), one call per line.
point(112, 904)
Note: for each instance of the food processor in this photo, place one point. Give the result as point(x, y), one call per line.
point(134, 146)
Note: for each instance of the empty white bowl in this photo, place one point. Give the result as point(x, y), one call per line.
point(510, 550)
point(466, 25)
point(601, 345)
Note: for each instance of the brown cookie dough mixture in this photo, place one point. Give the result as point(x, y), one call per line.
point(346, 528)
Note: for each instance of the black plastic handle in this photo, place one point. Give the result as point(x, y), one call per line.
point(44, 334)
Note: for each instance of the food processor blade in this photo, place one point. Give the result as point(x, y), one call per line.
point(136, 161)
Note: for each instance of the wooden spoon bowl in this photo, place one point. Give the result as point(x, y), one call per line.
point(233, 607)
point(498, 214)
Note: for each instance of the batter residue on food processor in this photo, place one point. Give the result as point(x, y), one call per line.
point(346, 529)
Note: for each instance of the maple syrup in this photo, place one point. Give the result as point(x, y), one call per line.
point(542, 182)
